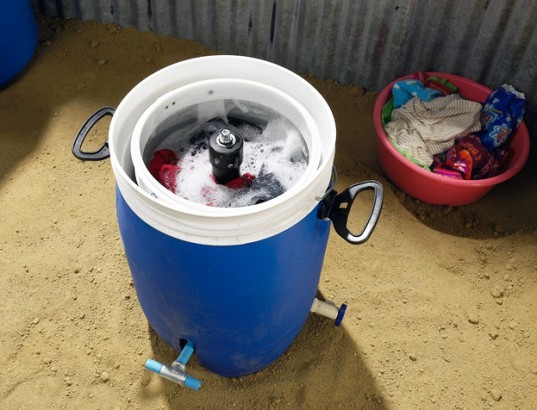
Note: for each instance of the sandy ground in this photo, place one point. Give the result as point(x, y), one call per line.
point(442, 301)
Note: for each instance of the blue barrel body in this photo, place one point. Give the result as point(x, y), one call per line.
point(18, 37)
point(240, 305)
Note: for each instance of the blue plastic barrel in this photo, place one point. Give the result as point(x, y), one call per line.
point(18, 37)
point(241, 306)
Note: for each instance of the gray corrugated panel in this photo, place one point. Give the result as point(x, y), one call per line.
point(263, 18)
point(365, 43)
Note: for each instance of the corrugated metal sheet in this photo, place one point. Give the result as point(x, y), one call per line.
point(360, 42)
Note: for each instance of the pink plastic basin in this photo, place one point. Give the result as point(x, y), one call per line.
point(428, 186)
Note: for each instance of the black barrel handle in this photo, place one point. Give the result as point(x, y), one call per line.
point(101, 153)
point(339, 206)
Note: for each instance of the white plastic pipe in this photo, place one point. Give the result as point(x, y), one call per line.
point(328, 308)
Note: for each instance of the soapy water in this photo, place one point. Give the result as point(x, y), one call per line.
point(274, 152)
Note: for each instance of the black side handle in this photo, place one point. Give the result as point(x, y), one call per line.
point(101, 153)
point(337, 207)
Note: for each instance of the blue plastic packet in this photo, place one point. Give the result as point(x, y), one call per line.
point(407, 89)
point(501, 114)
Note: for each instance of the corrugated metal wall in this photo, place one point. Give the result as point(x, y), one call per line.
point(361, 42)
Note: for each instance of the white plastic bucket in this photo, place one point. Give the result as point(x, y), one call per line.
point(172, 106)
point(225, 226)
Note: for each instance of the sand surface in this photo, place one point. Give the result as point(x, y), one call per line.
point(442, 301)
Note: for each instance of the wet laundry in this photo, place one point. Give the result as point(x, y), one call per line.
point(272, 159)
point(165, 165)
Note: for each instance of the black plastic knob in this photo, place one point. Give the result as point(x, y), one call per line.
point(225, 154)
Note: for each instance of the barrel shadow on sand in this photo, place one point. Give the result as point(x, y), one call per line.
point(323, 368)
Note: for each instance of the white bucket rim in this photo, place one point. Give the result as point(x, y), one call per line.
point(148, 182)
point(253, 225)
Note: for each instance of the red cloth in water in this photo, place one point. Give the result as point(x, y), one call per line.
point(241, 182)
point(165, 165)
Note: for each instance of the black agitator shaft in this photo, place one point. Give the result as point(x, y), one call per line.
point(225, 154)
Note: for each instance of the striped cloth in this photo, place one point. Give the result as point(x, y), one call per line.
point(422, 129)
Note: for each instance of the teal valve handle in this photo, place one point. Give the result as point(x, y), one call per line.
point(192, 383)
point(185, 354)
point(176, 372)
point(153, 365)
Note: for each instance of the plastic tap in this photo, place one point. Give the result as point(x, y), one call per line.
point(176, 372)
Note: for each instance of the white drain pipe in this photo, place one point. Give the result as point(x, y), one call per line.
point(329, 310)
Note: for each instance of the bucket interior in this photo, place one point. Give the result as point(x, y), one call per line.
point(280, 137)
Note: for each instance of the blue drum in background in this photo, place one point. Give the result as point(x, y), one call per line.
point(18, 37)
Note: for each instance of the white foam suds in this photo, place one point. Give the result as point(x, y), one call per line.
point(277, 156)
